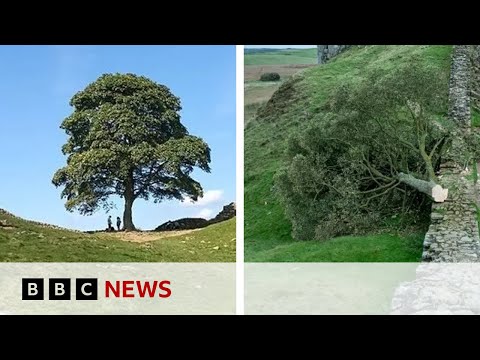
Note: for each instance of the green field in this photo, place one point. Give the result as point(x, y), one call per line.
point(267, 231)
point(281, 57)
point(26, 241)
point(284, 62)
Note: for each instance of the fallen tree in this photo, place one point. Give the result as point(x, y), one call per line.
point(372, 153)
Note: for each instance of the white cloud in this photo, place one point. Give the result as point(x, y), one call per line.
point(205, 213)
point(209, 197)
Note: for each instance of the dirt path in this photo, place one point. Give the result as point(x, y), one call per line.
point(141, 237)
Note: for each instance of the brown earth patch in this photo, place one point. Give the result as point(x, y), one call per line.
point(144, 236)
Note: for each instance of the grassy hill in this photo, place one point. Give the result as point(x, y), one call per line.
point(267, 231)
point(27, 241)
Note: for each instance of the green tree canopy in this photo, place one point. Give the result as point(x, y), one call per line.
point(125, 138)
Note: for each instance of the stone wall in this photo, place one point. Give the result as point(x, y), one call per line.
point(439, 289)
point(459, 89)
point(452, 237)
point(475, 78)
point(453, 232)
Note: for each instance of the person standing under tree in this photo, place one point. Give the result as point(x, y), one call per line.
point(109, 221)
point(119, 222)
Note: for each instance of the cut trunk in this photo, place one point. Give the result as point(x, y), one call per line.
point(431, 188)
point(129, 199)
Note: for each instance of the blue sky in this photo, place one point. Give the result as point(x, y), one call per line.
point(36, 85)
point(280, 46)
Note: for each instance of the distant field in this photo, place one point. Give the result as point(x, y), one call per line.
point(279, 57)
point(284, 62)
point(259, 92)
point(253, 72)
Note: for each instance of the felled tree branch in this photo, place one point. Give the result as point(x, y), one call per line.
point(431, 188)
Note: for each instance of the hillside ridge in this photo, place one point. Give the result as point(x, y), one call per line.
point(290, 110)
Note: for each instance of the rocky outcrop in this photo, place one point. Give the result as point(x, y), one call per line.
point(183, 224)
point(326, 52)
point(228, 212)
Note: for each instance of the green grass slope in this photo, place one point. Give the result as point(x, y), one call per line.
point(267, 231)
point(288, 56)
point(26, 241)
point(373, 248)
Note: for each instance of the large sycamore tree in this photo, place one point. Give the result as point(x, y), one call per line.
point(125, 138)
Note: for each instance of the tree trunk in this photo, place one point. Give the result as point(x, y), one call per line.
point(129, 199)
point(431, 188)
point(127, 216)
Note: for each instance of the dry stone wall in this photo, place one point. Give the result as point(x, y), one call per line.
point(475, 78)
point(453, 233)
point(444, 285)
point(440, 289)
point(459, 89)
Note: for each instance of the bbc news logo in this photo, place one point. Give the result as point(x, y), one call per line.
point(87, 289)
point(59, 289)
